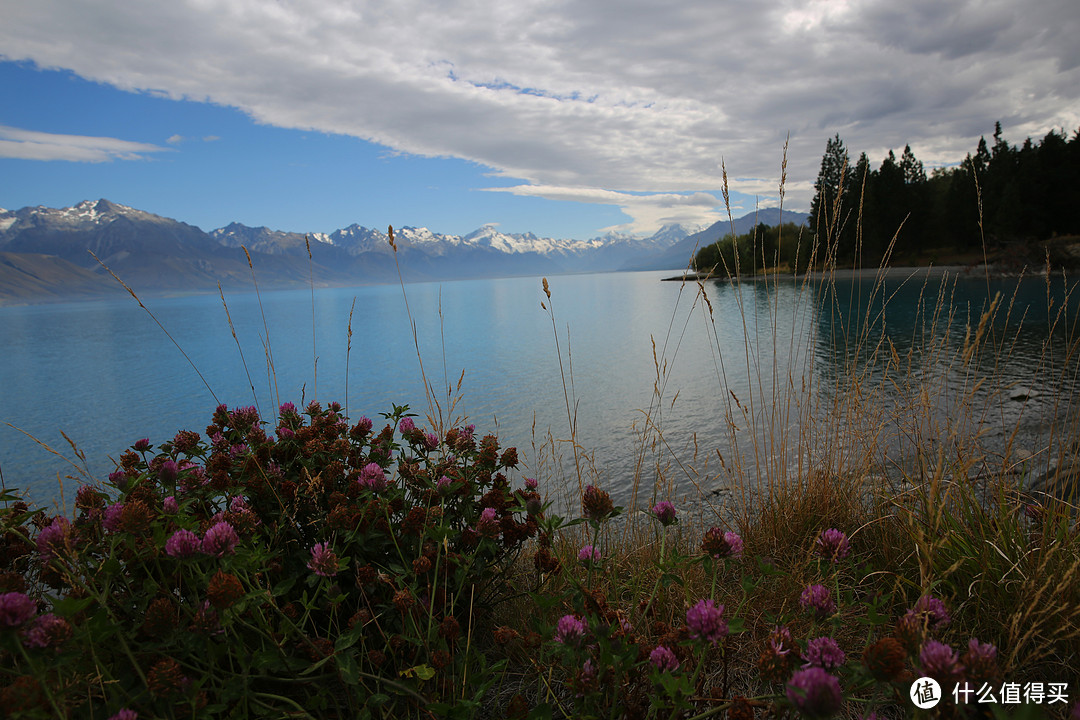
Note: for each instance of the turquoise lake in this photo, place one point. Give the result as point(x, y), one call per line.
point(636, 354)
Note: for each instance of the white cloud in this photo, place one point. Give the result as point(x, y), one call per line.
point(633, 96)
point(648, 212)
point(177, 139)
point(32, 145)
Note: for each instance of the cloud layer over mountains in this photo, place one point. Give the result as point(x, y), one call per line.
point(621, 102)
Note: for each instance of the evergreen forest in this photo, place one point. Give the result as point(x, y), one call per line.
point(1005, 204)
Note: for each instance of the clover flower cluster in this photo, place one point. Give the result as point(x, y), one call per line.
point(596, 504)
point(219, 540)
point(16, 608)
point(721, 544)
point(817, 599)
point(933, 610)
point(815, 692)
point(705, 621)
point(323, 561)
point(664, 511)
point(570, 630)
point(589, 554)
point(832, 545)
point(823, 652)
point(939, 661)
point(373, 477)
point(663, 659)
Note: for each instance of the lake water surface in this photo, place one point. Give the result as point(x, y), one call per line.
point(635, 353)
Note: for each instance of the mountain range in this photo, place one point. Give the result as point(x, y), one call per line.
point(45, 253)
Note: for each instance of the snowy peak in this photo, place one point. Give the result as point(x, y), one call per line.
point(672, 233)
point(357, 239)
point(489, 237)
point(102, 211)
point(83, 216)
point(236, 234)
point(422, 236)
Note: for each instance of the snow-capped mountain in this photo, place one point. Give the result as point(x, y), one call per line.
point(43, 248)
point(149, 252)
point(111, 231)
point(86, 212)
point(358, 240)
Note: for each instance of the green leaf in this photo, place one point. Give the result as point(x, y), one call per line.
point(284, 586)
point(349, 670)
point(265, 659)
point(111, 567)
point(545, 601)
point(543, 711)
point(439, 709)
point(766, 568)
point(749, 584)
point(873, 617)
point(421, 671)
point(69, 606)
point(10, 495)
point(347, 640)
point(674, 686)
point(668, 578)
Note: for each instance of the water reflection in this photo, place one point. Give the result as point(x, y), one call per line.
point(956, 361)
point(666, 386)
point(834, 371)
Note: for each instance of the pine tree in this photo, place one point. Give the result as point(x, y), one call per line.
point(831, 182)
point(912, 168)
point(915, 201)
point(854, 200)
point(831, 185)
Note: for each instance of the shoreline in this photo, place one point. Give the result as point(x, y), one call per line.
point(901, 272)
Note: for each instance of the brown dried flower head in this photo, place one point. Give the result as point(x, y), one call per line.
point(504, 634)
point(225, 589)
point(166, 678)
point(403, 600)
point(885, 658)
point(596, 503)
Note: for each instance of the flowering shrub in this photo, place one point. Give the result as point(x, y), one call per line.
point(324, 567)
point(328, 570)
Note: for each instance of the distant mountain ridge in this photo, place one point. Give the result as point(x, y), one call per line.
point(679, 253)
point(45, 253)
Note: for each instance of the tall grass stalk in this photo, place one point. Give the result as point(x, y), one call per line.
point(569, 394)
point(243, 360)
point(440, 420)
point(314, 353)
point(158, 322)
point(348, 353)
point(268, 351)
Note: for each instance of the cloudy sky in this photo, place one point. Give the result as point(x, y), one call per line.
point(567, 118)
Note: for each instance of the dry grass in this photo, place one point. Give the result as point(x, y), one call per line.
point(929, 504)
